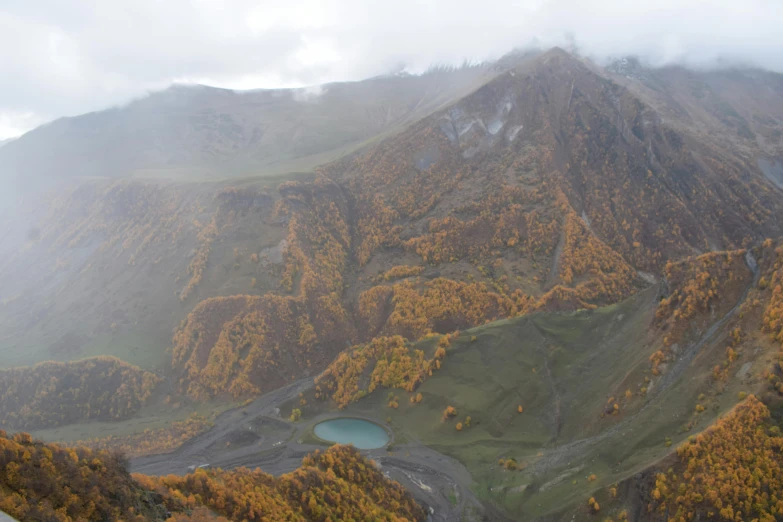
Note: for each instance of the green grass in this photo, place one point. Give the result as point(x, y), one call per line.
point(561, 368)
point(142, 348)
point(151, 417)
point(134, 347)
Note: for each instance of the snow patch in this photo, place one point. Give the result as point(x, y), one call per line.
point(464, 128)
point(511, 133)
point(495, 126)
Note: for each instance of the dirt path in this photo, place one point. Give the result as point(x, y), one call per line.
point(196, 451)
point(262, 439)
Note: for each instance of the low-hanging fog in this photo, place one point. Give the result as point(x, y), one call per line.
point(62, 58)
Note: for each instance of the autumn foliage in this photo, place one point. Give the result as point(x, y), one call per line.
point(732, 471)
point(389, 362)
point(772, 283)
point(246, 345)
point(770, 292)
point(510, 220)
point(442, 305)
point(697, 285)
point(150, 442)
point(54, 393)
point(338, 484)
point(400, 272)
point(43, 482)
point(206, 236)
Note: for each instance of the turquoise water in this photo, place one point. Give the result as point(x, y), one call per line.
point(361, 433)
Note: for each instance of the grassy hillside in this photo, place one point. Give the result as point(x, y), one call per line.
point(112, 267)
point(596, 404)
point(548, 253)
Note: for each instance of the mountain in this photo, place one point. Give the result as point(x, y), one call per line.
point(199, 132)
point(581, 262)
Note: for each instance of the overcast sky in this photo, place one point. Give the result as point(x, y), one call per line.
point(60, 58)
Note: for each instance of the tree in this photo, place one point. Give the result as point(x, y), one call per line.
point(731, 467)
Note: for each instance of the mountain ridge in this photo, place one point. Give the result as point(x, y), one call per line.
point(206, 132)
point(555, 197)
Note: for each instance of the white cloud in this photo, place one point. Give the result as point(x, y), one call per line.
point(308, 94)
point(13, 124)
point(60, 57)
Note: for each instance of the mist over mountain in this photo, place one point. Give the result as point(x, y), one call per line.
point(66, 61)
point(552, 282)
point(198, 132)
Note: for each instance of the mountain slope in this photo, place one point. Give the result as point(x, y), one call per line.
point(554, 186)
point(202, 132)
point(549, 188)
point(627, 174)
point(549, 409)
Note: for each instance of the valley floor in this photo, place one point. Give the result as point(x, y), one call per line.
point(256, 436)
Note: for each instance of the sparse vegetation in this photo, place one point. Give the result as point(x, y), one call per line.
point(150, 442)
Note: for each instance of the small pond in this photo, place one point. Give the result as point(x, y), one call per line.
point(361, 433)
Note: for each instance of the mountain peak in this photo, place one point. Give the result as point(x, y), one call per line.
point(556, 51)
